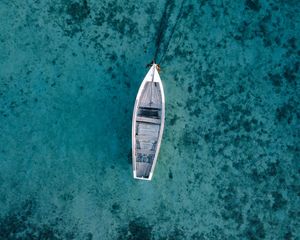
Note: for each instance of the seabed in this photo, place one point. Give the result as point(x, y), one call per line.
point(228, 166)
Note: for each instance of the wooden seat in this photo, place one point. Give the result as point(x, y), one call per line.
point(148, 120)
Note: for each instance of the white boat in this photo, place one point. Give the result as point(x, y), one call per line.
point(147, 125)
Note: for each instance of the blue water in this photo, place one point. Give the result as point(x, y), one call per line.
point(229, 162)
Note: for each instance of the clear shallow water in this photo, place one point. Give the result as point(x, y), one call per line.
point(229, 162)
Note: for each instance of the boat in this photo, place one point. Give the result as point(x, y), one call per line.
point(148, 124)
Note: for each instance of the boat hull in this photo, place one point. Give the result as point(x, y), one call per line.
point(147, 125)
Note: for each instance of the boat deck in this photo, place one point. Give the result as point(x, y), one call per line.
point(151, 96)
point(147, 128)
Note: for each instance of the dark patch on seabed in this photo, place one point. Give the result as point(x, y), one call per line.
point(228, 167)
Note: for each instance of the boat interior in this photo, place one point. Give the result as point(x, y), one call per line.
point(148, 123)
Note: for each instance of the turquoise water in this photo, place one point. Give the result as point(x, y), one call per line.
point(229, 162)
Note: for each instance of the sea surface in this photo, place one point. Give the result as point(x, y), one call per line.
point(229, 163)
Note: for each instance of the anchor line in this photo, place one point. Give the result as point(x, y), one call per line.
point(163, 26)
point(178, 19)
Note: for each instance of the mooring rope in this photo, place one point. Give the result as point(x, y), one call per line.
point(162, 29)
point(162, 26)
